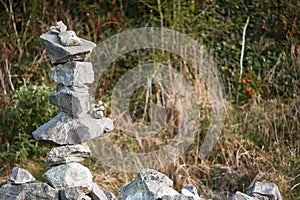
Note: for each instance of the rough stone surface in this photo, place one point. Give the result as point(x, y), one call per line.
point(241, 196)
point(190, 191)
point(32, 190)
point(69, 38)
point(73, 73)
point(67, 154)
point(264, 191)
point(72, 100)
point(63, 129)
point(73, 194)
point(59, 54)
point(149, 184)
point(110, 195)
point(97, 193)
point(20, 175)
point(69, 175)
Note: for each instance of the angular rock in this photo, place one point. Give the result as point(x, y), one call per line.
point(176, 197)
point(32, 190)
point(71, 193)
point(241, 196)
point(69, 38)
point(97, 193)
point(264, 191)
point(63, 129)
point(67, 154)
point(149, 184)
point(61, 26)
point(59, 54)
point(69, 175)
point(73, 73)
point(190, 191)
point(20, 175)
point(72, 100)
point(110, 195)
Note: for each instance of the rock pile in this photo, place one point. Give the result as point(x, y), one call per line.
point(75, 125)
point(71, 128)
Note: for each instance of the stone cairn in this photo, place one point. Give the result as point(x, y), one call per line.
point(75, 125)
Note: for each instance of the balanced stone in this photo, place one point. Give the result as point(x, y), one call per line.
point(69, 175)
point(64, 129)
point(66, 154)
point(59, 54)
point(69, 38)
point(149, 184)
point(32, 190)
point(72, 100)
point(73, 73)
point(20, 175)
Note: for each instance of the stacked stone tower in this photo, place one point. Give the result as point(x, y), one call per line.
point(76, 123)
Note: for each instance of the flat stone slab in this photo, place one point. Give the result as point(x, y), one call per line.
point(32, 190)
point(73, 73)
point(71, 100)
point(67, 154)
point(20, 175)
point(60, 54)
point(149, 184)
point(63, 129)
point(69, 175)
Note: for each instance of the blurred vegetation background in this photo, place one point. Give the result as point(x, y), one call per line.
point(261, 136)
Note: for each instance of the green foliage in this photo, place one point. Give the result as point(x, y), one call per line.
point(30, 109)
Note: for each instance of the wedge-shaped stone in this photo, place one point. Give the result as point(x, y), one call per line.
point(20, 175)
point(149, 184)
point(73, 73)
point(261, 190)
point(67, 154)
point(69, 175)
point(63, 129)
point(72, 100)
point(59, 54)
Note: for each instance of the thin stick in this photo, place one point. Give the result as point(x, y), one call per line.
point(2, 81)
point(243, 49)
point(9, 75)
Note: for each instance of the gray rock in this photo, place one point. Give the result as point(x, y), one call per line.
point(97, 193)
point(72, 100)
point(176, 197)
point(66, 154)
point(241, 196)
point(190, 191)
point(69, 38)
point(59, 54)
point(71, 193)
point(149, 184)
point(110, 195)
point(63, 129)
point(69, 175)
point(26, 191)
point(61, 26)
point(264, 191)
point(73, 73)
point(20, 175)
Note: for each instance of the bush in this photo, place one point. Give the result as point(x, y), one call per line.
point(30, 109)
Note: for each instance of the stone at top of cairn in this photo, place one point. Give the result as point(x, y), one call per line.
point(63, 45)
